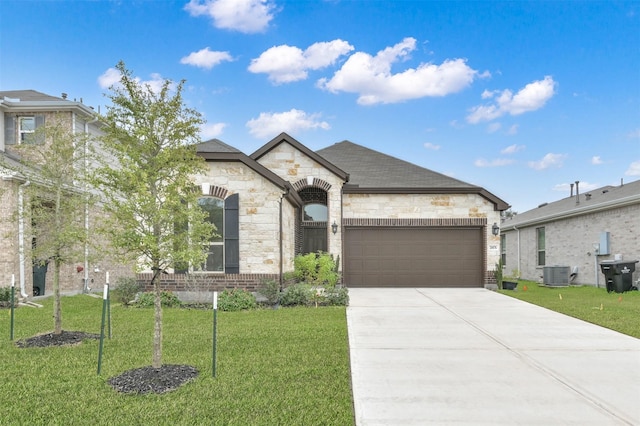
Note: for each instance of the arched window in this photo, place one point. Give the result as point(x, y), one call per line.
point(315, 215)
point(215, 251)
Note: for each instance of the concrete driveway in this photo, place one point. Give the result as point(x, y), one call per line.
point(476, 357)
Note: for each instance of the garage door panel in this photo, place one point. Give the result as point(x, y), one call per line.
point(413, 257)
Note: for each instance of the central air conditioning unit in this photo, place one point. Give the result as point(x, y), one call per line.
point(556, 276)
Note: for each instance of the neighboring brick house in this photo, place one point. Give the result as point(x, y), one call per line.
point(390, 222)
point(23, 111)
point(577, 233)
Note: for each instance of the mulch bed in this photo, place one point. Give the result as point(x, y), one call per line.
point(66, 338)
point(153, 380)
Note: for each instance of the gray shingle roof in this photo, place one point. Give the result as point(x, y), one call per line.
point(215, 145)
point(372, 169)
point(605, 198)
point(28, 95)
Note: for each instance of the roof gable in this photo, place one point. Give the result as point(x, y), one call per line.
point(285, 138)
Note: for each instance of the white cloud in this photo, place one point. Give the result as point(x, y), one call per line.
point(371, 77)
point(549, 160)
point(285, 64)
point(512, 149)
point(498, 162)
point(513, 130)
point(634, 169)
point(596, 160)
point(206, 58)
point(109, 78)
point(271, 124)
point(246, 16)
point(530, 98)
point(493, 127)
point(112, 77)
point(432, 146)
point(212, 130)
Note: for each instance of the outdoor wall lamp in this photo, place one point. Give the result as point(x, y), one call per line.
point(495, 229)
point(334, 227)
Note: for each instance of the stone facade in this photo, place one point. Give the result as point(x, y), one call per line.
point(570, 242)
point(294, 166)
point(258, 216)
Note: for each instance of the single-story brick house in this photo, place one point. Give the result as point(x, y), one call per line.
point(575, 234)
point(390, 222)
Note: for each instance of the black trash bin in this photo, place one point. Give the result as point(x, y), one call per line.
point(618, 274)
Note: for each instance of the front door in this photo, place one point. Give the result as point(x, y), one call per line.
point(314, 238)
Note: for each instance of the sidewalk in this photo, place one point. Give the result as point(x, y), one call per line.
point(476, 357)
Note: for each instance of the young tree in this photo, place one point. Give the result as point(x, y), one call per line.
point(148, 164)
point(52, 160)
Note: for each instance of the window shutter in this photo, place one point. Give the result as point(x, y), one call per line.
point(9, 130)
point(232, 235)
point(39, 123)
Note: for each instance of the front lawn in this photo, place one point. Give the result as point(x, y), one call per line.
point(288, 366)
point(620, 312)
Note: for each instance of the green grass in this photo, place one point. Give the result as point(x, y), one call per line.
point(288, 366)
point(620, 312)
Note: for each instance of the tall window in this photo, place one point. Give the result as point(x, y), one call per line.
point(314, 220)
point(541, 246)
point(215, 215)
point(26, 128)
point(503, 248)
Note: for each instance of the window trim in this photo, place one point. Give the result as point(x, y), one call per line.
point(540, 234)
point(220, 243)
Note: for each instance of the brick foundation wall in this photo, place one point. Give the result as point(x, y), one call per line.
point(206, 282)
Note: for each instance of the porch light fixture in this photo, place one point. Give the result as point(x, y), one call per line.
point(495, 229)
point(334, 227)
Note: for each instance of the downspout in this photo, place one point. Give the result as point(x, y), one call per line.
point(281, 266)
point(86, 288)
point(21, 254)
point(518, 251)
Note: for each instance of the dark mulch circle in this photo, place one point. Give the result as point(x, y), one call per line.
point(66, 338)
point(153, 380)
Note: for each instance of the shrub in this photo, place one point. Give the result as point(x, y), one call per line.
point(338, 296)
point(5, 294)
point(317, 269)
point(271, 291)
point(236, 300)
point(297, 295)
point(126, 290)
point(167, 298)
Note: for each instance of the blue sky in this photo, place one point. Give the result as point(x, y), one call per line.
point(521, 98)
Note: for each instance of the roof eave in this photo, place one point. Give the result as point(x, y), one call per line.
point(247, 161)
point(48, 106)
point(622, 202)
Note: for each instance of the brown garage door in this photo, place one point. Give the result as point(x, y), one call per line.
point(413, 257)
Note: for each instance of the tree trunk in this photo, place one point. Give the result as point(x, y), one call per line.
point(157, 328)
point(57, 302)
